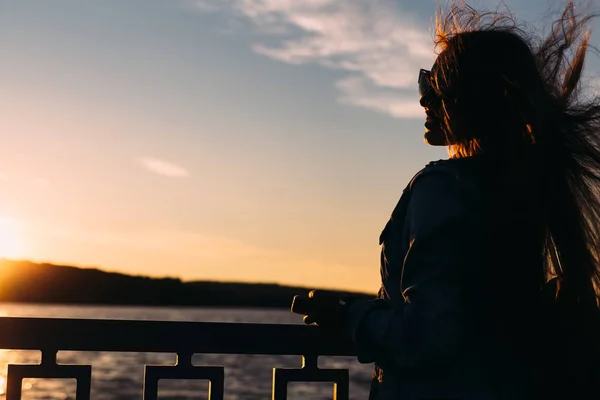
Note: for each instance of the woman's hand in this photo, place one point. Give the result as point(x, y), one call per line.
point(324, 309)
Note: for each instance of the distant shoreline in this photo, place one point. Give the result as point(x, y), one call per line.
point(25, 282)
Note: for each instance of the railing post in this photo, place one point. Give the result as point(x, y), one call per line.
point(183, 369)
point(48, 369)
point(310, 372)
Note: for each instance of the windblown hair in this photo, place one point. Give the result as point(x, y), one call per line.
point(526, 96)
point(521, 102)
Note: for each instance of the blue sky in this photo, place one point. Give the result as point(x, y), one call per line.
point(253, 140)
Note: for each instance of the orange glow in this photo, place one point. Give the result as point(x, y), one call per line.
point(10, 244)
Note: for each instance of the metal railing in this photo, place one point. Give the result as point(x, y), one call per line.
point(51, 335)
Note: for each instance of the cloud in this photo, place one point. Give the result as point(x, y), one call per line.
point(204, 6)
point(163, 167)
point(356, 91)
point(378, 44)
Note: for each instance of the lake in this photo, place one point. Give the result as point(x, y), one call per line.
point(119, 376)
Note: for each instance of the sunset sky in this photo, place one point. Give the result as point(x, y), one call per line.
point(246, 140)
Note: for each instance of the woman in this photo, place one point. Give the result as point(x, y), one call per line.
point(489, 261)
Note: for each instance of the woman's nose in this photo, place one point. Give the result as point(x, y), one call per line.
point(429, 99)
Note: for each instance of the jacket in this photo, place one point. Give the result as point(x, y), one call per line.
point(430, 332)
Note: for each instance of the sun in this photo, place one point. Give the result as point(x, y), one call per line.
point(10, 245)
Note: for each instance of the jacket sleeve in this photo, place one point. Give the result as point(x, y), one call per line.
point(426, 327)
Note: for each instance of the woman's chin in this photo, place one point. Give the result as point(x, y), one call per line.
point(435, 137)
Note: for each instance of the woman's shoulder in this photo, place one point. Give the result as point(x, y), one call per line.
point(459, 171)
point(442, 193)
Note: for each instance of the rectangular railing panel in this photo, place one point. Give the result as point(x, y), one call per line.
point(182, 338)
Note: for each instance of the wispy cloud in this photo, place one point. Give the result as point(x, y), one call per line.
point(358, 91)
point(163, 167)
point(381, 46)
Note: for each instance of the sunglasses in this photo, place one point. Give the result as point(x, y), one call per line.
point(424, 82)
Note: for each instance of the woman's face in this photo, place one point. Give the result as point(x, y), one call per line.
point(446, 116)
point(431, 101)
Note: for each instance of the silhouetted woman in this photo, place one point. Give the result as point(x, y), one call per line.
point(489, 261)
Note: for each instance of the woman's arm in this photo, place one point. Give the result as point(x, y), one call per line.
point(428, 327)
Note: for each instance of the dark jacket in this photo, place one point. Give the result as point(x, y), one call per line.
point(431, 332)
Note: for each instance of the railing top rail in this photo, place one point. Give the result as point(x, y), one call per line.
point(53, 334)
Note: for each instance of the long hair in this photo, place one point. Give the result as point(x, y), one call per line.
point(523, 105)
